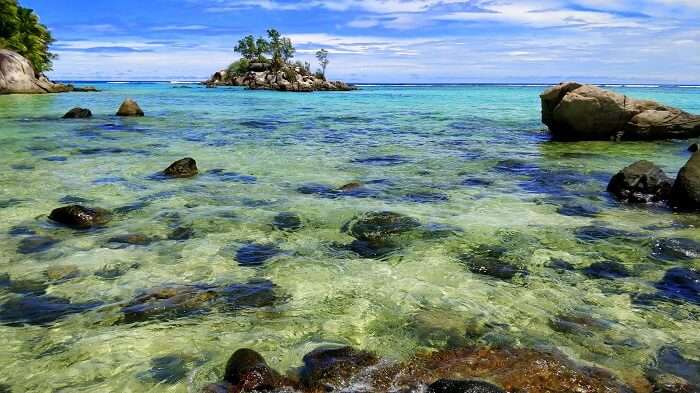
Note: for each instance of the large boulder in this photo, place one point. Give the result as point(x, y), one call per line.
point(78, 113)
point(186, 167)
point(686, 190)
point(573, 111)
point(129, 108)
point(80, 217)
point(641, 182)
point(18, 76)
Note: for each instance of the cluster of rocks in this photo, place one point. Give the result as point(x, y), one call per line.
point(128, 108)
point(574, 111)
point(17, 76)
point(462, 370)
point(290, 78)
point(644, 182)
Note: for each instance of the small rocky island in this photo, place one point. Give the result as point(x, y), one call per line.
point(265, 64)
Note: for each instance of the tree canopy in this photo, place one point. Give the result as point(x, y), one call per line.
point(279, 48)
point(21, 31)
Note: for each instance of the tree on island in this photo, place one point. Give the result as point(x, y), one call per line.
point(322, 56)
point(253, 50)
point(21, 31)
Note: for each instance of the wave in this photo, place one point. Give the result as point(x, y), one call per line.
point(182, 83)
point(690, 87)
point(644, 86)
point(118, 83)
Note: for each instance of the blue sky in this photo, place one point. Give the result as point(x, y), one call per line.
point(642, 41)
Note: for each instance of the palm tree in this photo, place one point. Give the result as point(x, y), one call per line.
point(21, 31)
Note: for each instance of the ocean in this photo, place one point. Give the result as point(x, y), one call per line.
point(515, 240)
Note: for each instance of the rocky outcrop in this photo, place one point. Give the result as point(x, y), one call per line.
point(641, 182)
point(686, 189)
point(573, 111)
point(294, 79)
point(80, 217)
point(18, 76)
point(129, 108)
point(186, 167)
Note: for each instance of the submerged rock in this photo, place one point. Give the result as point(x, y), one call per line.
point(373, 250)
point(489, 261)
point(39, 310)
point(35, 244)
point(62, 272)
point(333, 368)
point(172, 302)
point(129, 108)
point(80, 217)
point(608, 270)
point(113, 271)
point(248, 371)
point(681, 284)
point(694, 147)
point(78, 113)
point(169, 369)
point(463, 386)
point(670, 360)
point(573, 111)
point(686, 189)
point(22, 287)
point(287, 221)
point(254, 254)
point(641, 182)
point(134, 239)
point(182, 233)
point(676, 249)
point(186, 167)
point(593, 233)
point(380, 226)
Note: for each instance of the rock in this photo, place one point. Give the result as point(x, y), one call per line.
point(35, 244)
point(681, 284)
point(168, 303)
point(560, 265)
point(169, 369)
point(22, 287)
point(676, 249)
point(62, 272)
point(39, 310)
point(84, 89)
point(380, 226)
point(129, 108)
point(669, 383)
point(254, 254)
point(694, 148)
point(489, 261)
point(18, 76)
point(573, 111)
point(463, 386)
point(111, 272)
point(608, 270)
point(641, 182)
point(373, 250)
point(333, 368)
point(181, 233)
point(594, 233)
point(80, 217)
point(78, 113)
point(671, 361)
point(686, 189)
point(248, 371)
point(186, 167)
point(135, 239)
point(287, 221)
point(260, 76)
point(350, 186)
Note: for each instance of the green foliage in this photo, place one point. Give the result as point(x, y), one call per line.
point(322, 56)
point(290, 74)
point(238, 68)
point(319, 75)
point(279, 48)
point(21, 31)
point(304, 66)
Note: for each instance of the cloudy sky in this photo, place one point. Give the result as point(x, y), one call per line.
point(634, 41)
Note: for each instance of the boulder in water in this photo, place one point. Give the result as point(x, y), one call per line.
point(686, 189)
point(573, 111)
point(641, 182)
point(380, 226)
point(129, 108)
point(248, 371)
point(186, 167)
point(332, 367)
point(78, 113)
point(80, 217)
point(463, 386)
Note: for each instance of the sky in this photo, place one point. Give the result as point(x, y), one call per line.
point(384, 41)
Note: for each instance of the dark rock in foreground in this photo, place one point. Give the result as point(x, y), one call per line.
point(326, 367)
point(129, 108)
point(80, 217)
point(686, 189)
point(641, 182)
point(380, 226)
point(287, 221)
point(573, 111)
point(78, 113)
point(186, 167)
point(248, 371)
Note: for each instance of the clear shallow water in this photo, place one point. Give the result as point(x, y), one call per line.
point(471, 163)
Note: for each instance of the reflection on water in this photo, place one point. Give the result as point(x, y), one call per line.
point(515, 240)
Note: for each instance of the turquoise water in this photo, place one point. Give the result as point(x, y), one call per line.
point(473, 164)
